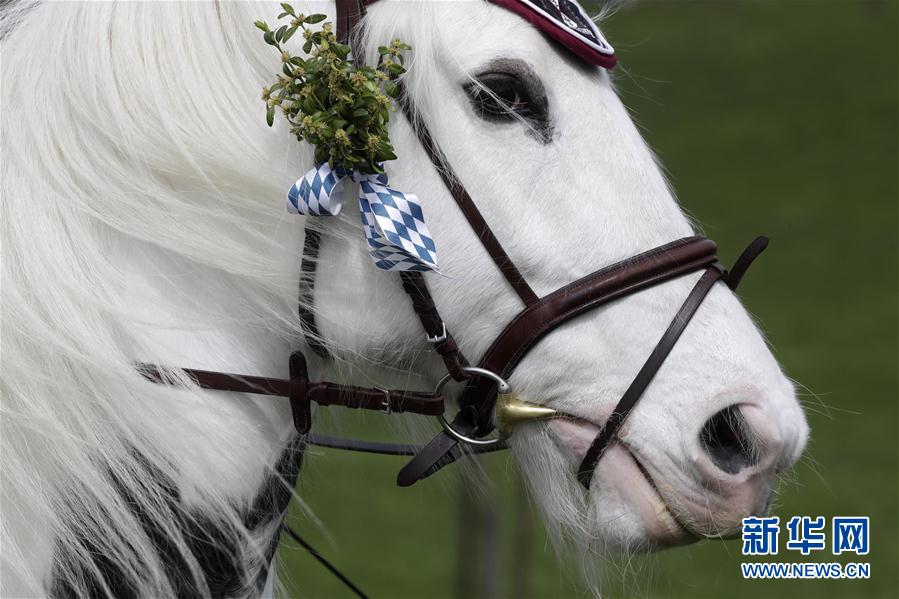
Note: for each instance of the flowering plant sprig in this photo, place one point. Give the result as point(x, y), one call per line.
point(339, 107)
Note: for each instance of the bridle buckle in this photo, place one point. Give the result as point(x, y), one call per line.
point(439, 338)
point(385, 405)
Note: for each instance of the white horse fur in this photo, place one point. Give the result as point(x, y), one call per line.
point(143, 220)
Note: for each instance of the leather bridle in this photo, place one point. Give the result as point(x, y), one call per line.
point(486, 381)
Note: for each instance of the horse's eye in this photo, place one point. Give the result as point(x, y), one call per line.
point(507, 91)
point(500, 97)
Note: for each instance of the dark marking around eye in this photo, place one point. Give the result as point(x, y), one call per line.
point(508, 91)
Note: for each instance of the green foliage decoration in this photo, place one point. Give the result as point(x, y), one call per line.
point(339, 107)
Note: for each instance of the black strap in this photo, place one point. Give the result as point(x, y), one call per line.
point(349, 13)
point(463, 200)
point(347, 444)
point(440, 338)
point(647, 373)
point(732, 278)
point(323, 561)
point(308, 324)
point(735, 274)
point(375, 447)
point(302, 392)
point(429, 459)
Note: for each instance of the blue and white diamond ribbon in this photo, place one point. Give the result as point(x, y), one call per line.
point(394, 225)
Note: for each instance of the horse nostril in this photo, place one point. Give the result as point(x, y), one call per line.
point(727, 440)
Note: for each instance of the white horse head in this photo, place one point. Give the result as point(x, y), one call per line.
point(142, 222)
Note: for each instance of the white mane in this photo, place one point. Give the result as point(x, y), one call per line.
point(133, 134)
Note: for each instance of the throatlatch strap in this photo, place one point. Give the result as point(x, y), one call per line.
point(308, 265)
point(349, 13)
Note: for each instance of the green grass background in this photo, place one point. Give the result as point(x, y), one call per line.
point(774, 117)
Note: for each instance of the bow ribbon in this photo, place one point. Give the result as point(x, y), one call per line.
point(394, 225)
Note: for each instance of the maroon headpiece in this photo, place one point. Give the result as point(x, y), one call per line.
point(567, 23)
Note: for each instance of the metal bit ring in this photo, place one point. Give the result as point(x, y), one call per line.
point(502, 387)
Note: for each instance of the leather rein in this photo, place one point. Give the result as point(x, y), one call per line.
point(487, 401)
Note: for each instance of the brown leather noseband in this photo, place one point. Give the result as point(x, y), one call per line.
point(539, 317)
